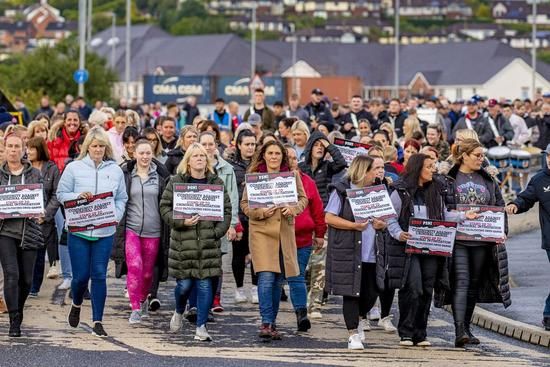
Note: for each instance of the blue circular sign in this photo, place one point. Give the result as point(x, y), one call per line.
point(81, 76)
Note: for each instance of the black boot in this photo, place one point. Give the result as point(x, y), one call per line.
point(468, 318)
point(15, 324)
point(302, 320)
point(461, 336)
point(546, 323)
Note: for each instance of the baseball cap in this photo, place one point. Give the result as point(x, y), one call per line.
point(254, 119)
point(317, 91)
point(492, 102)
point(471, 101)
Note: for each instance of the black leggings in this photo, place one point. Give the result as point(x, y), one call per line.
point(468, 262)
point(18, 266)
point(238, 262)
point(416, 296)
point(386, 301)
point(353, 307)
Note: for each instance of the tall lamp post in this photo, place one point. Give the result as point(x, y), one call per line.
point(396, 66)
point(534, 51)
point(128, 48)
point(82, 40)
point(253, 44)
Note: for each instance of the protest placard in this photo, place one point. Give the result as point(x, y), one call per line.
point(431, 237)
point(198, 199)
point(370, 202)
point(20, 201)
point(351, 149)
point(89, 214)
point(271, 189)
point(488, 227)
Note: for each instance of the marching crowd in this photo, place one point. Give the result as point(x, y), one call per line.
point(139, 153)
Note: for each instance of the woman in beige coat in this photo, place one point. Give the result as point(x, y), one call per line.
point(272, 240)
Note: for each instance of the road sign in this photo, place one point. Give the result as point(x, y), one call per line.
point(81, 76)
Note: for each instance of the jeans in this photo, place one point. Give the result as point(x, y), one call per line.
point(18, 267)
point(215, 288)
point(297, 284)
point(269, 295)
point(547, 306)
point(416, 296)
point(204, 296)
point(63, 250)
point(89, 260)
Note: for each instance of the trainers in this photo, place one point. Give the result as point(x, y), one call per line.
point(374, 314)
point(66, 284)
point(154, 304)
point(126, 294)
point(364, 324)
point(33, 294)
point(98, 330)
point(354, 342)
point(3, 306)
point(144, 308)
point(216, 305)
point(240, 297)
point(315, 315)
point(73, 319)
point(202, 334)
point(546, 323)
point(387, 325)
point(265, 332)
point(406, 342)
point(211, 317)
point(254, 295)
point(135, 317)
point(424, 343)
point(191, 315)
point(53, 273)
point(284, 297)
point(176, 322)
point(87, 295)
point(275, 334)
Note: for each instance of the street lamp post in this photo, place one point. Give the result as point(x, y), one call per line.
point(294, 57)
point(113, 43)
point(534, 51)
point(89, 23)
point(82, 40)
point(253, 44)
point(127, 61)
point(396, 66)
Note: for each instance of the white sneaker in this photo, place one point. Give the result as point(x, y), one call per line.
point(374, 314)
point(202, 334)
point(65, 285)
point(254, 295)
point(354, 342)
point(240, 297)
point(126, 294)
point(387, 324)
point(424, 343)
point(135, 318)
point(53, 273)
point(364, 324)
point(315, 315)
point(176, 321)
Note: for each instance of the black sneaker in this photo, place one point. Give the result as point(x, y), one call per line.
point(74, 316)
point(546, 323)
point(284, 297)
point(154, 304)
point(98, 330)
point(191, 315)
point(87, 295)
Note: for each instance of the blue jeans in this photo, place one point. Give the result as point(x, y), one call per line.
point(269, 295)
point(297, 284)
point(204, 296)
point(63, 250)
point(547, 306)
point(89, 260)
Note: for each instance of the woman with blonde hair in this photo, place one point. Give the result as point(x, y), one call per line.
point(93, 172)
point(194, 256)
point(300, 136)
point(410, 126)
point(38, 128)
point(188, 135)
point(115, 134)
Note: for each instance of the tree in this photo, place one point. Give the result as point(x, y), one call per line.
point(50, 69)
point(194, 25)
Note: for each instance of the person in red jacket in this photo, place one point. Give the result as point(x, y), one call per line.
point(61, 141)
point(310, 231)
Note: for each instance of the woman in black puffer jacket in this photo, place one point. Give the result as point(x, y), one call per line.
point(20, 238)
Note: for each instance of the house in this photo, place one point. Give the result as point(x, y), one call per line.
point(54, 33)
point(324, 35)
point(265, 23)
point(41, 15)
point(448, 9)
point(362, 26)
point(325, 8)
point(519, 11)
point(242, 7)
point(14, 36)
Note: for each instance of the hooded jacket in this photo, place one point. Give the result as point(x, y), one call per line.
point(538, 189)
point(225, 171)
point(59, 147)
point(82, 175)
point(311, 222)
point(174, 158)
point(32, 237)
point(324, 171)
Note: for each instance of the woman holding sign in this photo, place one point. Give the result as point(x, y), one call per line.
point(93, 172)
point(194, 256)
point(416, 195)
point(351, 255)
point(20, 238)
point(272, 237)
point(480, 269)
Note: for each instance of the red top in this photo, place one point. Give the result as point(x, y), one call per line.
point(311, 222)
point(59, 148)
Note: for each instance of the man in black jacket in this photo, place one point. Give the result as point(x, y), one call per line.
point(317, 108)
point(498, 126)
point(394, 116)
point(474, 120)
point(538, 189)
point(357, 112)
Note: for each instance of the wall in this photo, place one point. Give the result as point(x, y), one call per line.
point(341, 87)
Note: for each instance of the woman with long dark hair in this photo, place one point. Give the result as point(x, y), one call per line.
point(480, 269)
point(416, 195)
point(272, 238)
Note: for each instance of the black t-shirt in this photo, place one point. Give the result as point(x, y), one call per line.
point(198, 180)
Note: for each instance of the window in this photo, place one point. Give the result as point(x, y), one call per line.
point(525, 92)
point(458, 93)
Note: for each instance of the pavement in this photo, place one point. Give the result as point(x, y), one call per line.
point(47, 340)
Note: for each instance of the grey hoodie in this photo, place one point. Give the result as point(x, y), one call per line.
point(142, 213)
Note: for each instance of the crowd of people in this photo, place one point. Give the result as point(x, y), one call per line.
point(140, 152)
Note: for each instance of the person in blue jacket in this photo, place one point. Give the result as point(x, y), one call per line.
point(538, 190)
point(93, 172)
